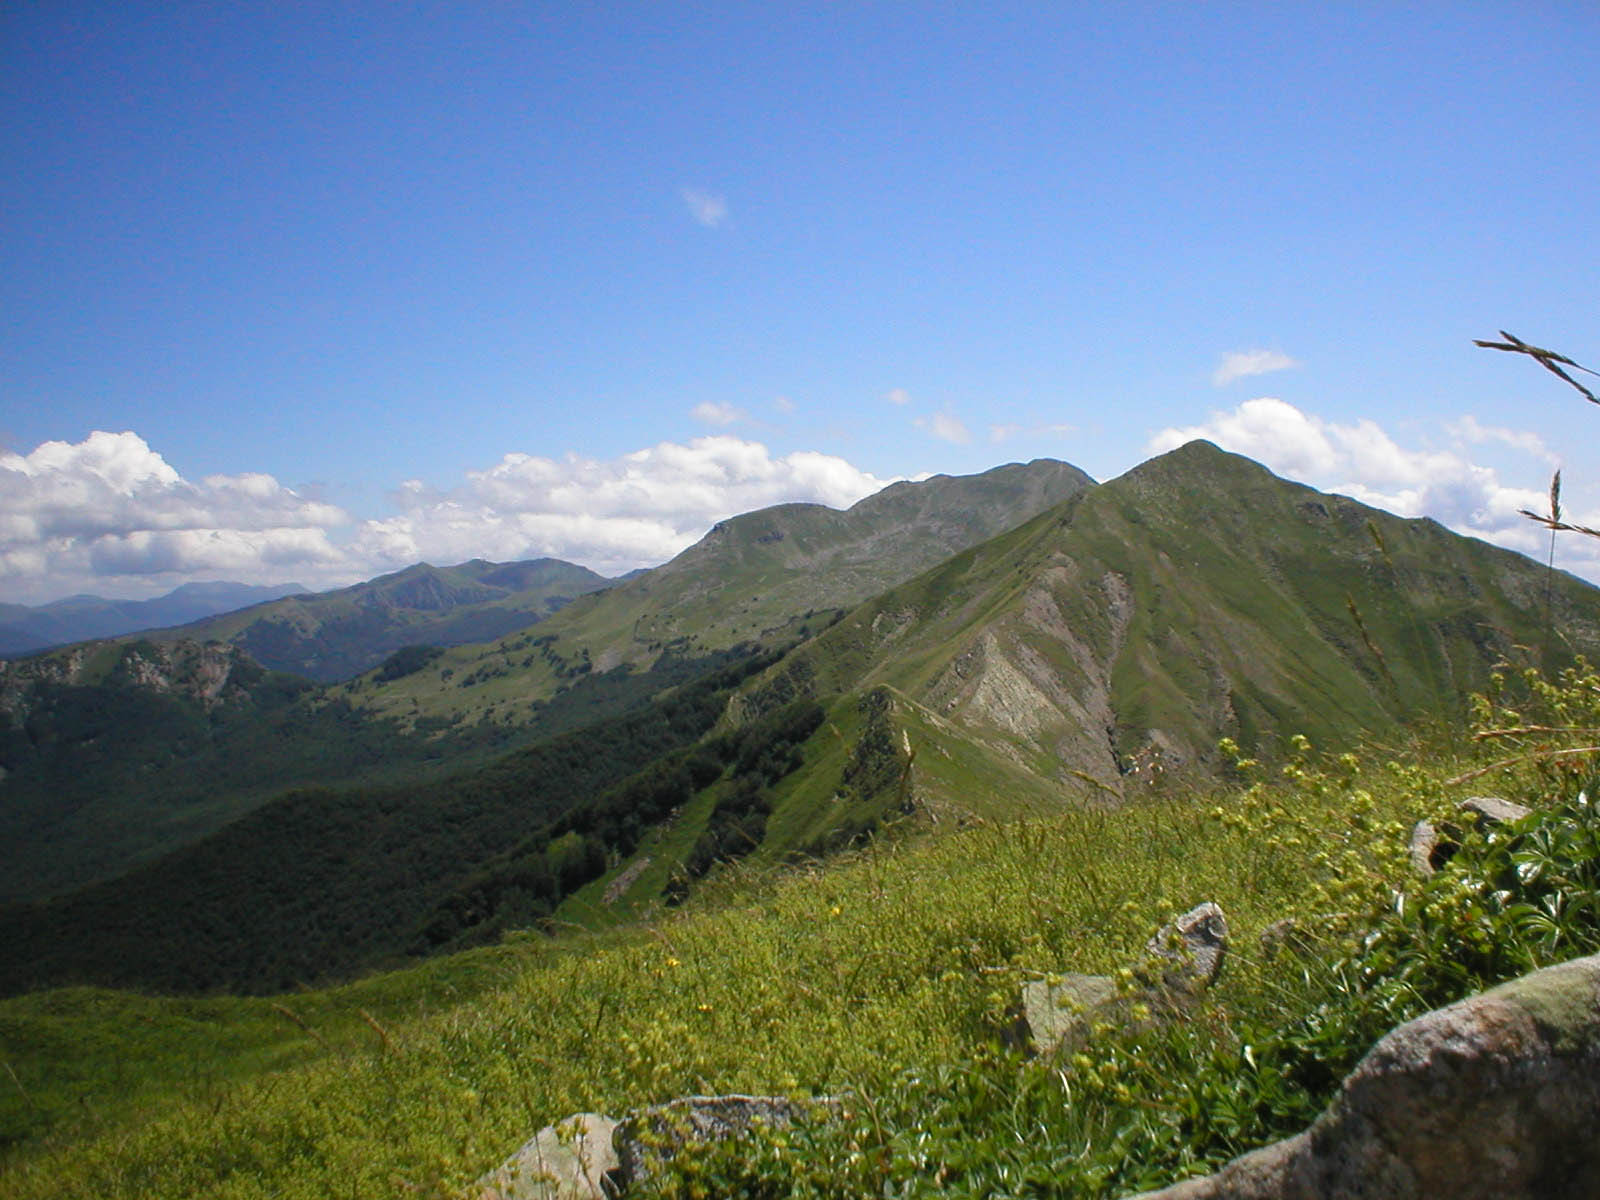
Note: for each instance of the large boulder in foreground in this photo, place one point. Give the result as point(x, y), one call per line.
point(1494, 1098)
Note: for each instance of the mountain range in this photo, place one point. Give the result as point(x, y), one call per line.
point(25, 629)
point(949, 650)
point(334, 635)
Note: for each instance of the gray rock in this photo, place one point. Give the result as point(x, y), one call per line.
point(650, 1137)
point(1494, 1098)
point(570, 1160)
point(1057, 1014)
point(1432, 846)
point(1492, 810)
point(1424, 841)
point(1188, 953)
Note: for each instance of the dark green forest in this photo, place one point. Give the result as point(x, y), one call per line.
point(324, 881)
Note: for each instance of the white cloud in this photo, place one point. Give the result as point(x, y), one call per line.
point(708, 208)
point(716, 414)
point(897, 396)
point(945, 427)
point(1241, 364)
point(111, 511)
point(110, 515)
point(1361, 460)
point(1469, 429)
point(783, 404)
point(1004, 433)
point(610, 514)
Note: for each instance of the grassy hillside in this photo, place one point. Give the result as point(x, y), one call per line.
point(763, 576)
point(330, 636)
point(886, 977)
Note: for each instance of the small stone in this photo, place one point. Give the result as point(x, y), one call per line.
point(1058, 1013)
point(1432, 846)
point(1492, 810)
point(1189, 952)
point(570, 1160)
point(650, 1137)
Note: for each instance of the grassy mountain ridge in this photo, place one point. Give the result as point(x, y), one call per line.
point(760, 576)
point(1196, 597)
point(887, 976)
point(331, 636)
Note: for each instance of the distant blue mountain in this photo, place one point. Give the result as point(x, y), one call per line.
point(25, 629)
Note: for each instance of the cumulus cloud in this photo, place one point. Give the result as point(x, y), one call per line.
point(1241, 364)
point(1470, 429)
point(610, 514)
point(110, 515)
point(110, 509)
point(897, 396)
point(716, 414)
point(1362, 460)
point(708, 208)
point(944, 426)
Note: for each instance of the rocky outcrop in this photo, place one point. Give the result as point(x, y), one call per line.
point(207, 672)
point(1497, 1097)
point(1189, 952)
point(1431, 846)
point(589, 1157)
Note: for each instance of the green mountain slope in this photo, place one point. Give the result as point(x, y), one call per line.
point(1122, 634)
point(757, 577)
point(330, 636)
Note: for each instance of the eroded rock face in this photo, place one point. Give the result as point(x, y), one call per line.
point(1494, 1098)
point(570, 1160)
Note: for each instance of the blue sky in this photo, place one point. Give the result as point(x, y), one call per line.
point(311, 291)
